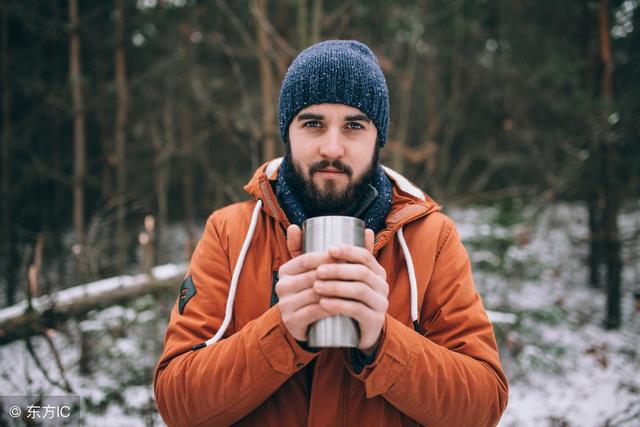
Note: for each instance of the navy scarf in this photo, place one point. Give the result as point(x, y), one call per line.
point(372, 209)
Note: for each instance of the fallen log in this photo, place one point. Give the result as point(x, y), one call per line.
point(50, 311)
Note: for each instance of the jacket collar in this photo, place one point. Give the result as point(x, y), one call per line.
point(408, 201)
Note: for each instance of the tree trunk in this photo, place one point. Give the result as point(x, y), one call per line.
point(316, 21)
point(79, 143)
point(404, 117)
point(122, 107)
point(169, 141)
point(595, 235)
point(611, 244)
point(282, 22)
point(430, 72)
point(104, 124)
point(592, 170)
point(453, 105)
point(302, 23)
point(8, 249)
point(85, 361)
point(187, 178)
point(161, 183)
point(266, 85)
point(433, 117)
point(186, 140)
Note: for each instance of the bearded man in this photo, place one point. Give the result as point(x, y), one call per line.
point(236, 350)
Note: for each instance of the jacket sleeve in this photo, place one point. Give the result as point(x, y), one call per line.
point(221, 383)
point(451, 375)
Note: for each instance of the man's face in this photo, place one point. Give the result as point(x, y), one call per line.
point(333, 151)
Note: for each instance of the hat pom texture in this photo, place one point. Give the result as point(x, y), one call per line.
point(338, 72)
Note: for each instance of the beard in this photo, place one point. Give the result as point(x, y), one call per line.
point(329, 200)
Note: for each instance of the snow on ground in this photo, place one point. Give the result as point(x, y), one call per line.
point(564, 368)
point(121, 344)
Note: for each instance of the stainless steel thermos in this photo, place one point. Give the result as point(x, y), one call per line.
point(318, 235)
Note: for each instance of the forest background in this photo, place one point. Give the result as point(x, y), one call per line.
point(125, 123)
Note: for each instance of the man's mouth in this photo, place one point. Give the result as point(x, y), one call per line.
point(330, 171)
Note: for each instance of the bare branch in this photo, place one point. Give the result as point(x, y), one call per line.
point(65, 386)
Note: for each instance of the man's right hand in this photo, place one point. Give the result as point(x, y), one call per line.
point(298, 301)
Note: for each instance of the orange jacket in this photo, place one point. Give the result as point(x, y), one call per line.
point(449, 374)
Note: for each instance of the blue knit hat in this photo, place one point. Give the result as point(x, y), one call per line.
point(339, 72)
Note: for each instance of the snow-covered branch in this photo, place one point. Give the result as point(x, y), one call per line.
point(49, 311)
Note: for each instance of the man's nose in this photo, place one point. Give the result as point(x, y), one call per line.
point(332, 146)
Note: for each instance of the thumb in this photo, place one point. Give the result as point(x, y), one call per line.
point(369, 239)
point(294, 240)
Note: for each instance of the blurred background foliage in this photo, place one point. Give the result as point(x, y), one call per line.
point(117, 111)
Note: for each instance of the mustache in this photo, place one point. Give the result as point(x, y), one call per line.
point(337, 164)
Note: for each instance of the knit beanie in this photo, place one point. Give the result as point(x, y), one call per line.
point(339, 72)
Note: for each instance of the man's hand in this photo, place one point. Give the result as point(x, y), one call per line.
point(355, 285)
point(298, 301)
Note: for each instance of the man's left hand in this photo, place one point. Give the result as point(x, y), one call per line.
point(357, 288)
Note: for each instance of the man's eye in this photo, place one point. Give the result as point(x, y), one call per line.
point(312, 124)
point(354, 125)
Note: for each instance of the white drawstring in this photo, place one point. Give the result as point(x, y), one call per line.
point(234, 279)
point(412, 276)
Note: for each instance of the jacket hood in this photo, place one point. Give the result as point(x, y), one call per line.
point(408, 201)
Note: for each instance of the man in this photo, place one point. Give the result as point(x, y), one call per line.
point(235, 349)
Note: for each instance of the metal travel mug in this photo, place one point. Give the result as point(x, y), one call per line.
point(318, 235)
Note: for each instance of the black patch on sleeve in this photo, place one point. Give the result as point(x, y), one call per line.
point(187, 290)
